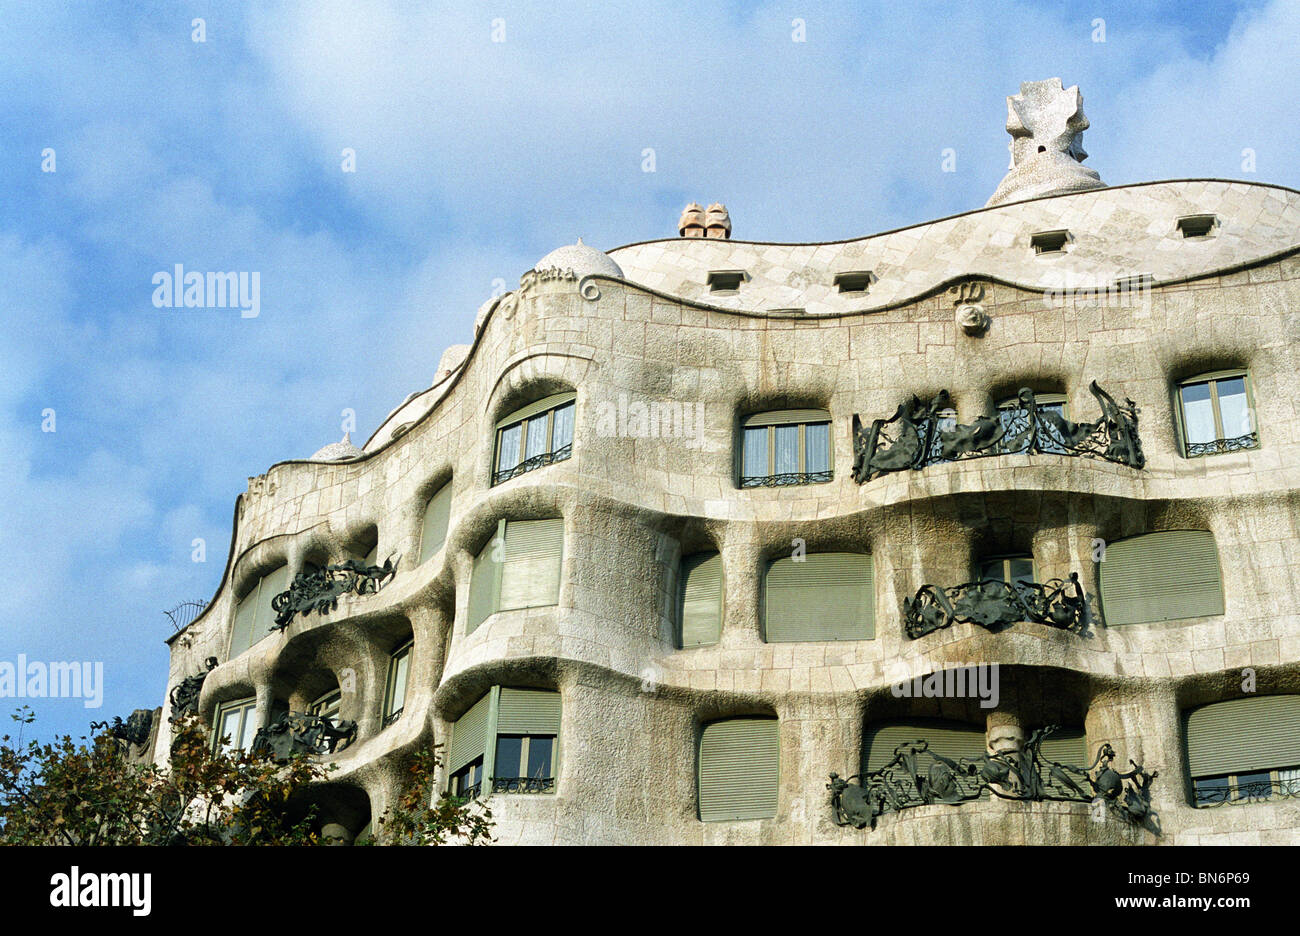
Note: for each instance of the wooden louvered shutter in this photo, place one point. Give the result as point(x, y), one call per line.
point(434, 529)
point(1067, 746)
point(739, 769)
point(1161, 577)
point(950, 739)
point(827, 596)
point(530, 577)
point(1243, 735)
point(528, 711)
point(469, 736)
point(482, 587)
point(701, 618)
point(241, 631)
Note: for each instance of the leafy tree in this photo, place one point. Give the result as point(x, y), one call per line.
point(419, 820)
point(71, 793)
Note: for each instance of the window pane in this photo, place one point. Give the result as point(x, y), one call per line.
point(1022, 570)
point(562, 432)
point(991, 569)
point(508, 453)
point(1198, 413)
point(250, 728)
point(1289, 781)
point(1233, 409)
point(400, 666)
point(536, 443)
point(817, 447)
point(539, 757)
point(229, 729)
point(1254, 786)
point(787, 449)
point(509, 753)
point(1210, 790)
point(755, 453)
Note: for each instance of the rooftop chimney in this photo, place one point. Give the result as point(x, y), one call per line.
point(697, 222)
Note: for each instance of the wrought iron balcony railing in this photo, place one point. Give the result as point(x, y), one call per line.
point(299, 733)
point(917, 776)
point(783, 480)
point(993, 603)
point(318, 588)
point(392, 717)
point(1256, 791)
point(531, 464)
point(523, 784)
point(1219, 446)
point(185, 694)
point(918, 435)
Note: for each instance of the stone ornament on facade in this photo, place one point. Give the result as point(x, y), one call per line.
point(920, 434)
point(970, 316)
point(1046, 124)
point(185, 694)
point(1012, 768)
point(994, 604)
point(318, 588)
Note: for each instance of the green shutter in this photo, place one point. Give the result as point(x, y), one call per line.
point(951, 739)
point(701, 618)
point(469, 735)
point(482, 587)
point(1161, 577)
point(1067, 746)
point(541, 406)
point(1243, 735)
point(787, 417)
point(433, 531)
point(739, 769)
point(530, 577)
point(827, 596)
point(529, 711)
point(241, 632)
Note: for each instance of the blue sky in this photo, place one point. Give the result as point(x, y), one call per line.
point(473, 159)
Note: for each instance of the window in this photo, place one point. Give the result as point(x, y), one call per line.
point(726, 281)
point(822, 596)
point(1161, 577)
point(399, 667)
point(236, 726)
point(786, 447)
point(950, 739)
point(701, 599)
point(739, 769)
point(510, 736)
point(537, 435)
point(855, 282)
point(1216, 414)
point(433, 529)
point(327, 706)
point(1009, 569)
point(1244, 750)
point(518, 568)
point(1049, 241)
point(1200, 225)
point(253, 615)
point(1015, 423)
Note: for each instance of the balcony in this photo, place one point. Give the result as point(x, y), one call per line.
point(994, 604)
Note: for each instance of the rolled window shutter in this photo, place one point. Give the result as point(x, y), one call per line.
point(1067, 746)
point(739, 770)
point(541, 406)
point(827, 596)
point(950, 739)
point(1243, 735)
point(1161, 577)
point(469, 735)
point(701, 599)
point(787, 417)
point(530, 577)
point(273, 584)
point(528, 711)
point(241, 632)
point(433, 532)
point(482, 587)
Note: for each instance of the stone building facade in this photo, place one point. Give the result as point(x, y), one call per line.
point(658, 714)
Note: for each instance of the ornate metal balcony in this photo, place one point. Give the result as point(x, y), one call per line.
point(783, 480)
point(134, 731)
point(392, 717)
point(299, 733)
point(185, 694)
point(531, 464)
point(1219, 446)
point(1258, 791)
point(523, 784)
point(993, 603)
point(917, 776)
point(319, 589)
point(918, 435)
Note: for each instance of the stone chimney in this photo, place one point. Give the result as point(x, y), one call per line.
point(696, 222)
point(1046, 124)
